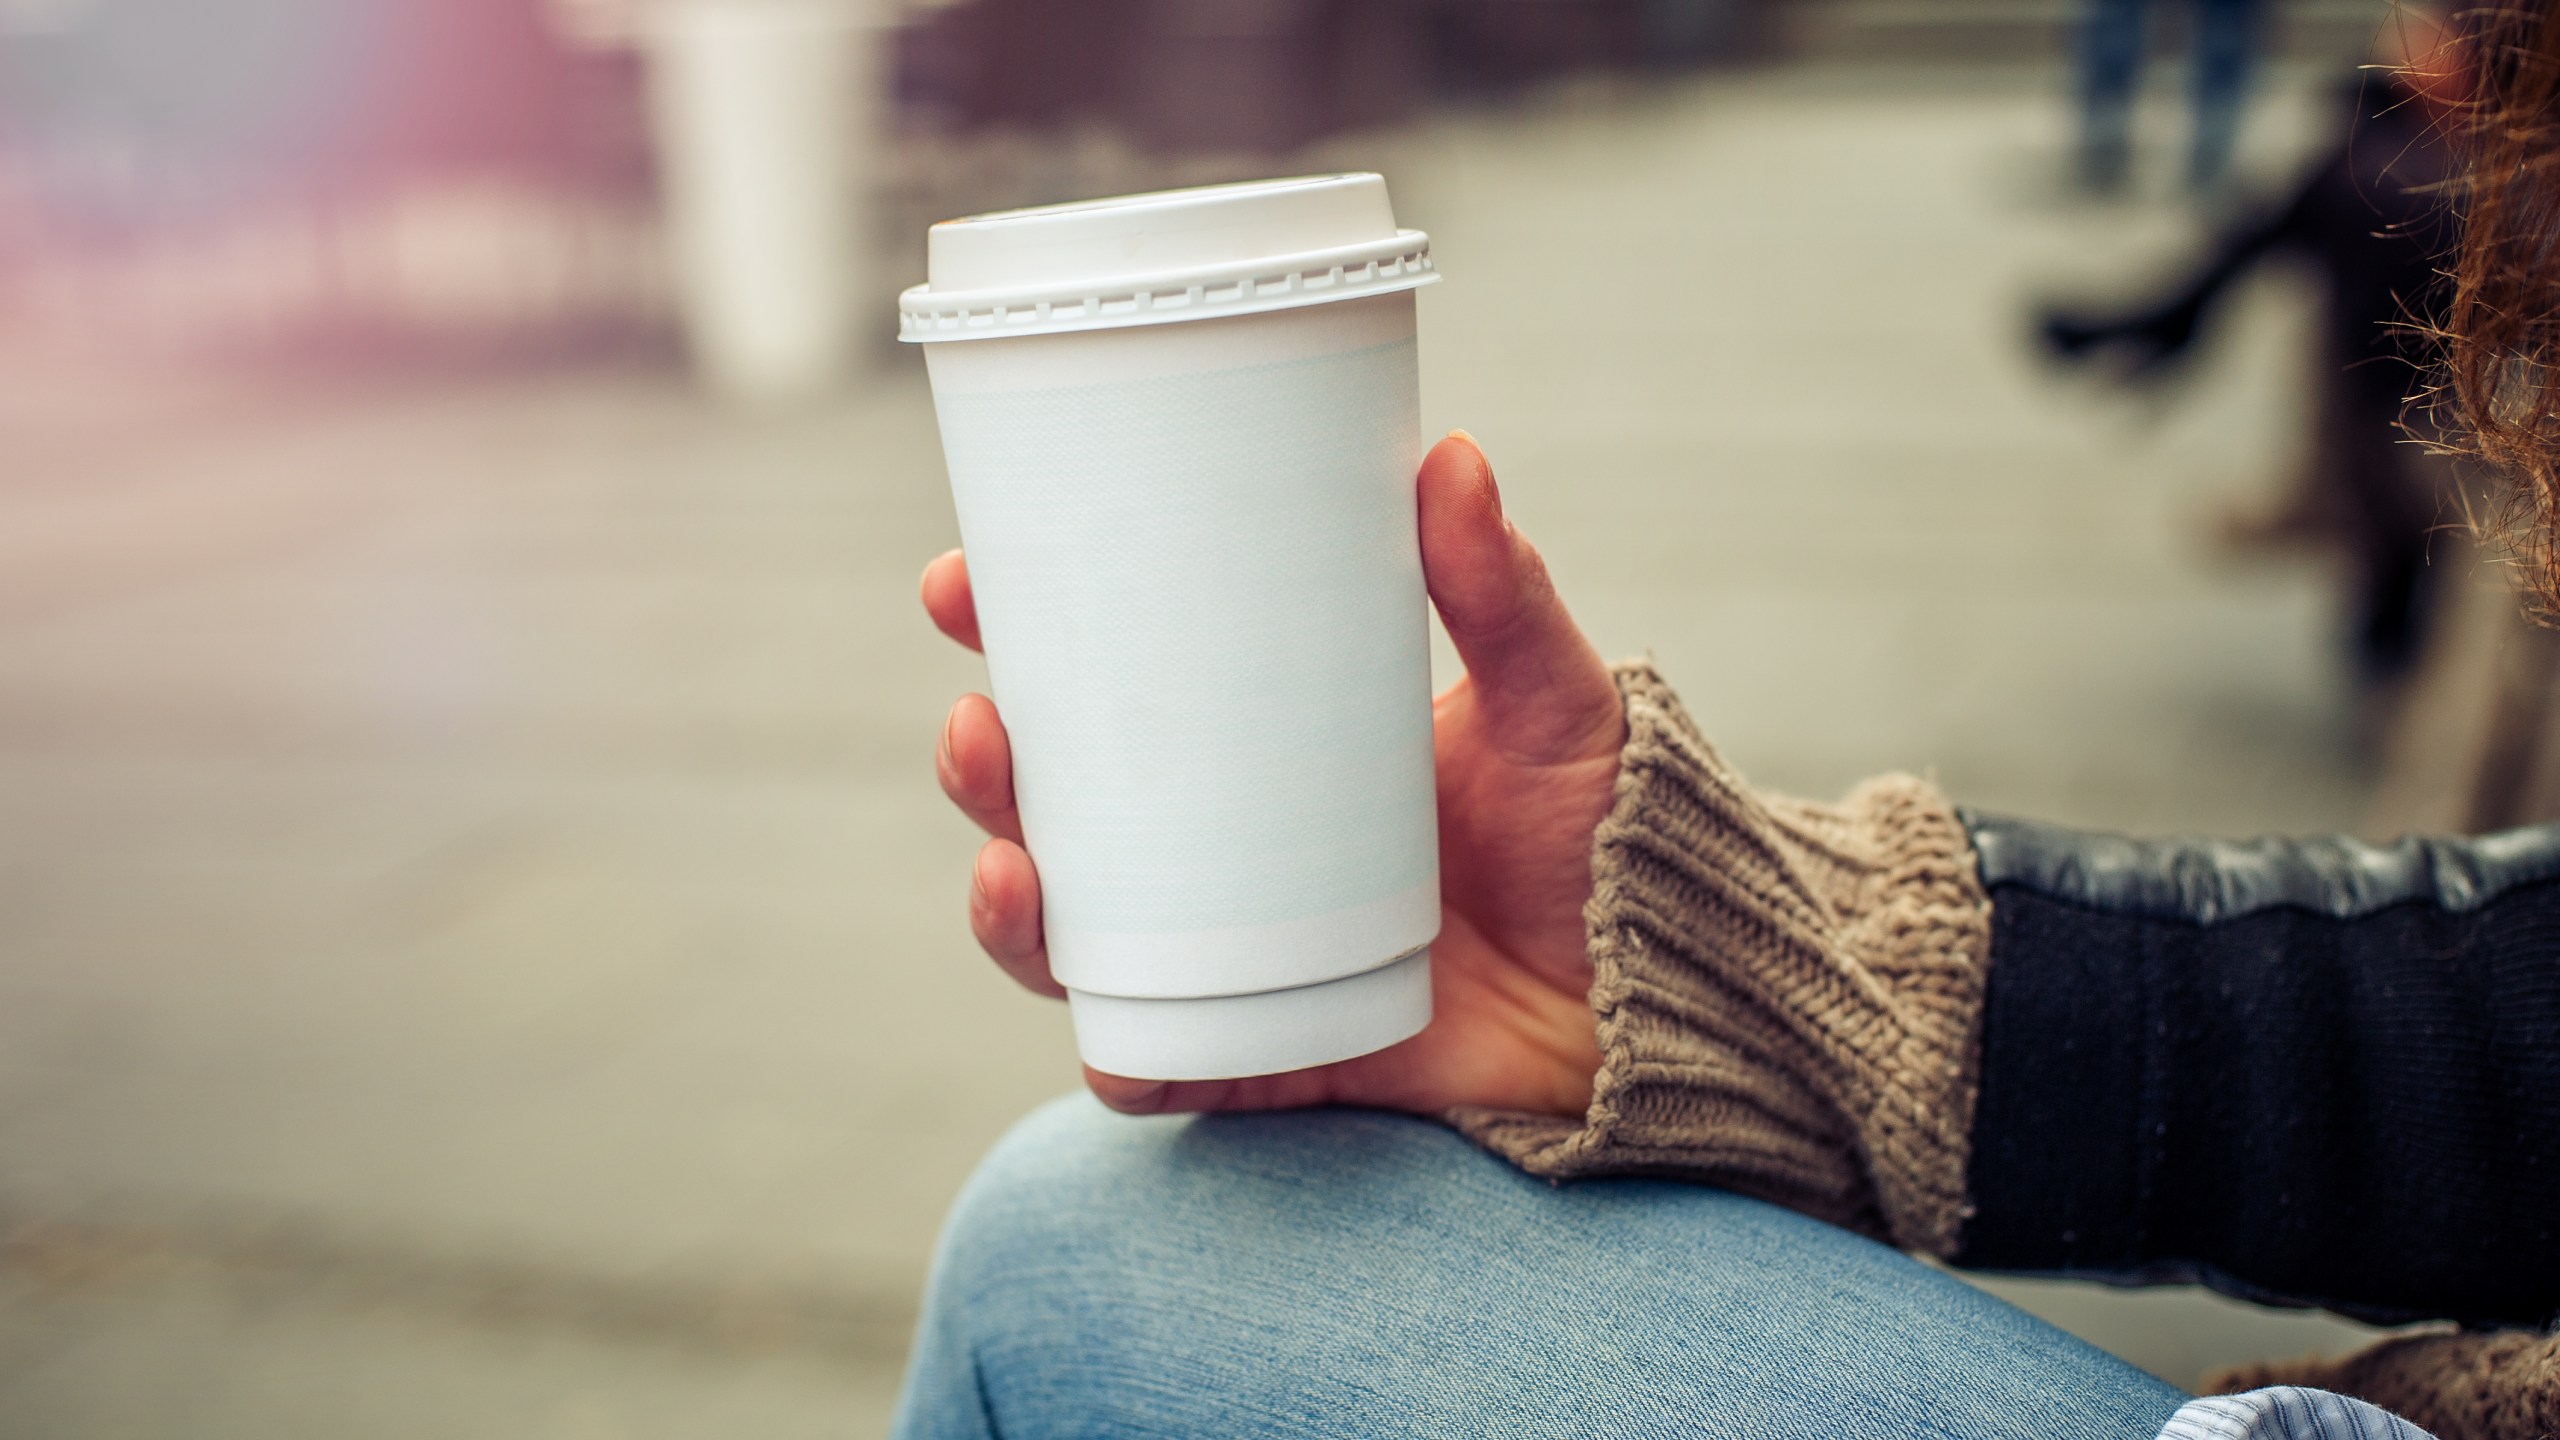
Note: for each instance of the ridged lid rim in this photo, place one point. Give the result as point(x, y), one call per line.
point(1401, 261)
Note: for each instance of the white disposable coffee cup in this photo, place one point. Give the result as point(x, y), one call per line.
point(1182, 432)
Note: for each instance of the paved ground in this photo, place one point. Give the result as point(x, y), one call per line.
point(480, 948)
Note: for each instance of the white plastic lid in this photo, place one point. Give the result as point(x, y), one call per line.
point(1171, 255)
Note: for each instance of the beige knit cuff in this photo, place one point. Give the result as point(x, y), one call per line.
point(2494, 1385)
point(1788, 995)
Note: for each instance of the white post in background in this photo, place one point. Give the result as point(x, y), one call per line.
point(766, 121)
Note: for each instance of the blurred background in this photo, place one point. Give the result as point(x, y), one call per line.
point(481, 948)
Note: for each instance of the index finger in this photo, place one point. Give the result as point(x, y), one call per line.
point(948, 600)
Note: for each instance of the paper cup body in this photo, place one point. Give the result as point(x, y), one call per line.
point(1198, 579)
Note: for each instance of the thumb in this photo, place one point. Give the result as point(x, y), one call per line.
point(1545, 695)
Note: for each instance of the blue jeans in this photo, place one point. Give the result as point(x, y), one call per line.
point(1360, 1274)
point(2111, 44)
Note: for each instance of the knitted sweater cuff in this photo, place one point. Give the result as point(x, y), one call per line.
point(2493, 1385)
point(1788, 995)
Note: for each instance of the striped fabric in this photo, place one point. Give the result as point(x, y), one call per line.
point(2286, 1412)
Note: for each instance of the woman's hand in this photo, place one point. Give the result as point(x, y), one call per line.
point(1527, 750)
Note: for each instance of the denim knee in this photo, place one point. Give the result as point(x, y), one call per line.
point(1074, 1185)
point(1356, 1273)
point(1038, 1186)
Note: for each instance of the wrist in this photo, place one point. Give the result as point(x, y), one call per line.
point(1786, 995)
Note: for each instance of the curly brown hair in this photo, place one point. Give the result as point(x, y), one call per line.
point(2501, 327)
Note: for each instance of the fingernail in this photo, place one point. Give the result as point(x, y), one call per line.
point(978, 881)
point(1145, 1102)
point(942, 742)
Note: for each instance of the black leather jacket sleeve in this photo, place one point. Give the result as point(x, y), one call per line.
point(2313, 1072)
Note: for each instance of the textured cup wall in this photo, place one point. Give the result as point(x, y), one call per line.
point(1202, 598)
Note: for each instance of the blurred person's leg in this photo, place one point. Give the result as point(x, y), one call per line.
point(2395, 515)
point(1674, 32)
point(1358, 1273)
point(2226, 43)
point(2111, 42)
point(2398, 506)
point(2146, 342)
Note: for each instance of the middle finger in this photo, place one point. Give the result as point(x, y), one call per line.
point(974, 762)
